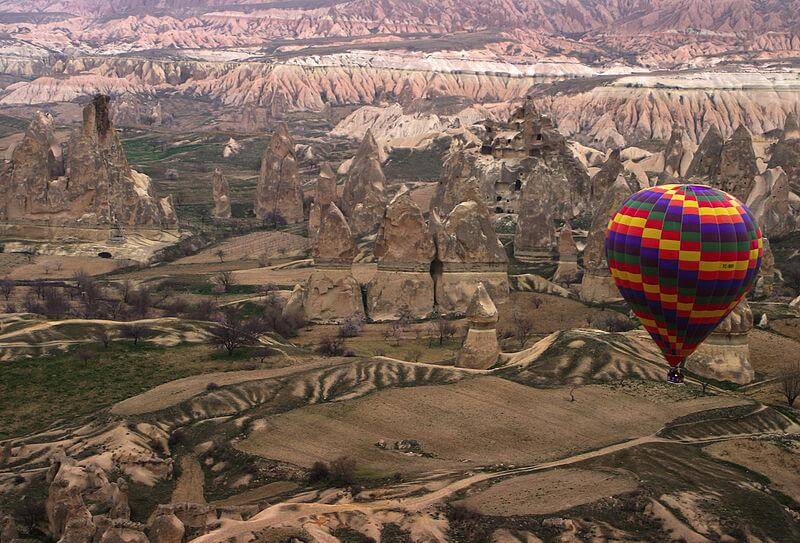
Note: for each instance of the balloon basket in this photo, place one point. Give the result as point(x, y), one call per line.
point(675, 376)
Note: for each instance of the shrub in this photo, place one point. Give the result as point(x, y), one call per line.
point(331, 346)
point(273, 219)
point(318, 473)
point(342, 471)
point(351, 327)
point(611, 321)
point(212, 386)
point(176, 438)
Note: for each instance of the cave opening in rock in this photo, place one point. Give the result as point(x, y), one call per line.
point(436, 273)
point(104, 254)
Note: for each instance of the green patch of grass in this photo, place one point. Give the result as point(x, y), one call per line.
point(37, 392)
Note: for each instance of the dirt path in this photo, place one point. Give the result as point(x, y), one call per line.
point(288, 514)
point(189, 487)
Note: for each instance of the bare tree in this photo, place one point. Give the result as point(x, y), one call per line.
point(522, 325)
point(54, 303)
point(789, 383)
point(442, 329)
point(221, 255)
point(141, 300)
point(231, 331)
point(103, 336)
point(405, 316)
point(7, 287)
point(126, 288)
point(226, 280)
point(134, 332)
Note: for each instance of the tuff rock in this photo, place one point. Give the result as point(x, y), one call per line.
point(363, 199)
point(222, 199)
point(278, 193)
point(597, 286)
point(480, 349)
point(725, 355)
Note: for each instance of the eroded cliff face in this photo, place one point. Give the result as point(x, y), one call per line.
point(93, 185)
point(638, 108)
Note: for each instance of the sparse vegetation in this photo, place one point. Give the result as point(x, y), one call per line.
point(789, 383)
point(331, 346)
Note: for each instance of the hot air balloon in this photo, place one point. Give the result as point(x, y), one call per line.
point(683, 257)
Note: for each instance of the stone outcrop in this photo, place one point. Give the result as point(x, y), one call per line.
point(404, 248)
point(535, 238)
point(324, 194)
point(725, 355)
point(363, 199)
point(786, 153)
point(765, 284)
point(730, 165)
point(467, 253)
point(771, 205)
point(124, 534)
point(222, 199)
point(93, 186)
point(737, 166)
point(278, 194)
point(332, 294)
point(82, 504)
point(568, 271)
point(480, 349)
point(334, 245)
point(597, 286)
point(602, 180)
point(678, 156)
point(706, 158)
point(165, 527)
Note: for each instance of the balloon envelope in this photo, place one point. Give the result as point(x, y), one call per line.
point(683, 257)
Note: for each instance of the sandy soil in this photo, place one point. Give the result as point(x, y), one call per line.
point(261, 276)
point(548, 492)
point(781, 464)
point(259, 494)
point(251, 247)
point(174, 392)
point(481, 421)
point(63, 267)
point(769, 353)
point(189, 487)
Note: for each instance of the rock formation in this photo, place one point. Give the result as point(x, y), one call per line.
point(467, 253)
point(363, 199)
point(771, 206)
point(480, 349)
point(765, 284)
point(332, 294)
point(232, 148)
point(725, 355)
point(404, 248)
point(568, 271)
point(165, 527)
point(96, 186)
point(786, 153)
point(8, 529)
point(222, 199)
point(706, 158)
point(678, 156)
point(730, 165)
point(737, 165)
point(279, 197)
point(597, 286)
point(535, 238)
point(324, 194)
point(602, 180)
